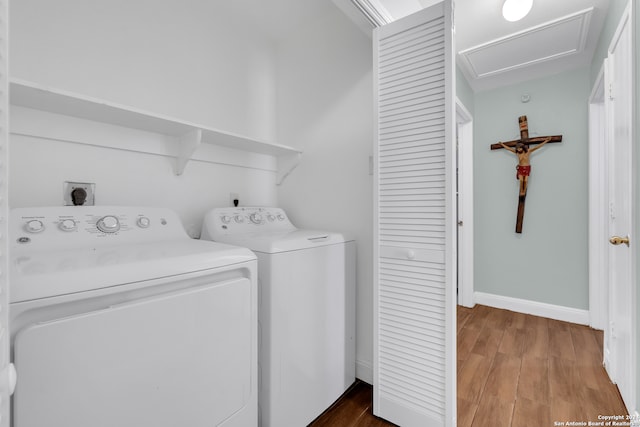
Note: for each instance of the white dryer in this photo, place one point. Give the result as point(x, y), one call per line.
point(118, 318)
point(306, 310)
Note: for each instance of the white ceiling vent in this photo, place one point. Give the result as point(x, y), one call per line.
point(554, 39)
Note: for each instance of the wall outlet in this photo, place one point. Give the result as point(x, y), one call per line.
point(232, 198)
point(73, 193)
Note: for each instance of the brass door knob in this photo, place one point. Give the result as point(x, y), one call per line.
point(616, 240)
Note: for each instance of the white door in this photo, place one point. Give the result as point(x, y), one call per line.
point(7, 374)
point(619, 356)
point(415, 220)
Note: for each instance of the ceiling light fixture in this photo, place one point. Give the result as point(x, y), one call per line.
point(515, 10)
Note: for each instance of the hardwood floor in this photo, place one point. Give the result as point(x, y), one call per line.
point(517, 370)
point(514, 370)
point(353, 409)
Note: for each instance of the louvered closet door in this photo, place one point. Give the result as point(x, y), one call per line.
point(6, 369)
point(414, 297)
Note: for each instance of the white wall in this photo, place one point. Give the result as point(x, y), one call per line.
point(325, 98)
point(191, 61)
point(47, 149)
point(181, 59)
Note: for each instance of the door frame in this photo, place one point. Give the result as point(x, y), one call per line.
point(598, 208)
point(464, 128)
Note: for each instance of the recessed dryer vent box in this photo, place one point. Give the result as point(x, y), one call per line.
point(79, 193)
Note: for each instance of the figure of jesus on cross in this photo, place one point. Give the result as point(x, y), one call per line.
point(521, 148)
point(523, 169)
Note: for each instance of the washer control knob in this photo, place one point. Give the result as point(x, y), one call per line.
point(143, 222)
point(256, 218)
point(108, 224)
point(271, 218)
point(68, 225)
point(280, 217)
point(226, 219)
point(239, 219)
point(34, 226)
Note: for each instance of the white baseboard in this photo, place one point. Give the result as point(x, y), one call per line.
point(557, 312)
point(364, 371)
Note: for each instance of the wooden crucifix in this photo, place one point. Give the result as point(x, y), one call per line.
point(521, 148)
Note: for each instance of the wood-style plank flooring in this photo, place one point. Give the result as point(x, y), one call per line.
point(514, 370)
point(519, 370)
point(353, 409)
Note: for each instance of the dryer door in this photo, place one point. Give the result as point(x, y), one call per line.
point(178, 359)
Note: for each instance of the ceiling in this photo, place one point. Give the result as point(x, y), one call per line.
point(557, 35)
point(492, 52)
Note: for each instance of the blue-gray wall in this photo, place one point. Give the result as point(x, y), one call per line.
point(548, 262)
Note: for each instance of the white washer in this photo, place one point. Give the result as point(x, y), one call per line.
point(118, 318)
point(306, 283)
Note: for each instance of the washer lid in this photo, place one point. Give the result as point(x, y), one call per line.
point(42, 274)
point(278, 241)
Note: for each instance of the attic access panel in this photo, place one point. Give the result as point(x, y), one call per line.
point(554, 39)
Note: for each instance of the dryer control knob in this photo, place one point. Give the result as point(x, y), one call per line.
point(256, 218)
point(68, 225)
point(226, 219)
point(239, 219)
point(271, 218)
point(108, 224)
point(34, 226)
point(143, 222)
point(280, 217)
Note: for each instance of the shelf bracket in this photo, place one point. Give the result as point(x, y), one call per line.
point(188, 144)
point(286, 164)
